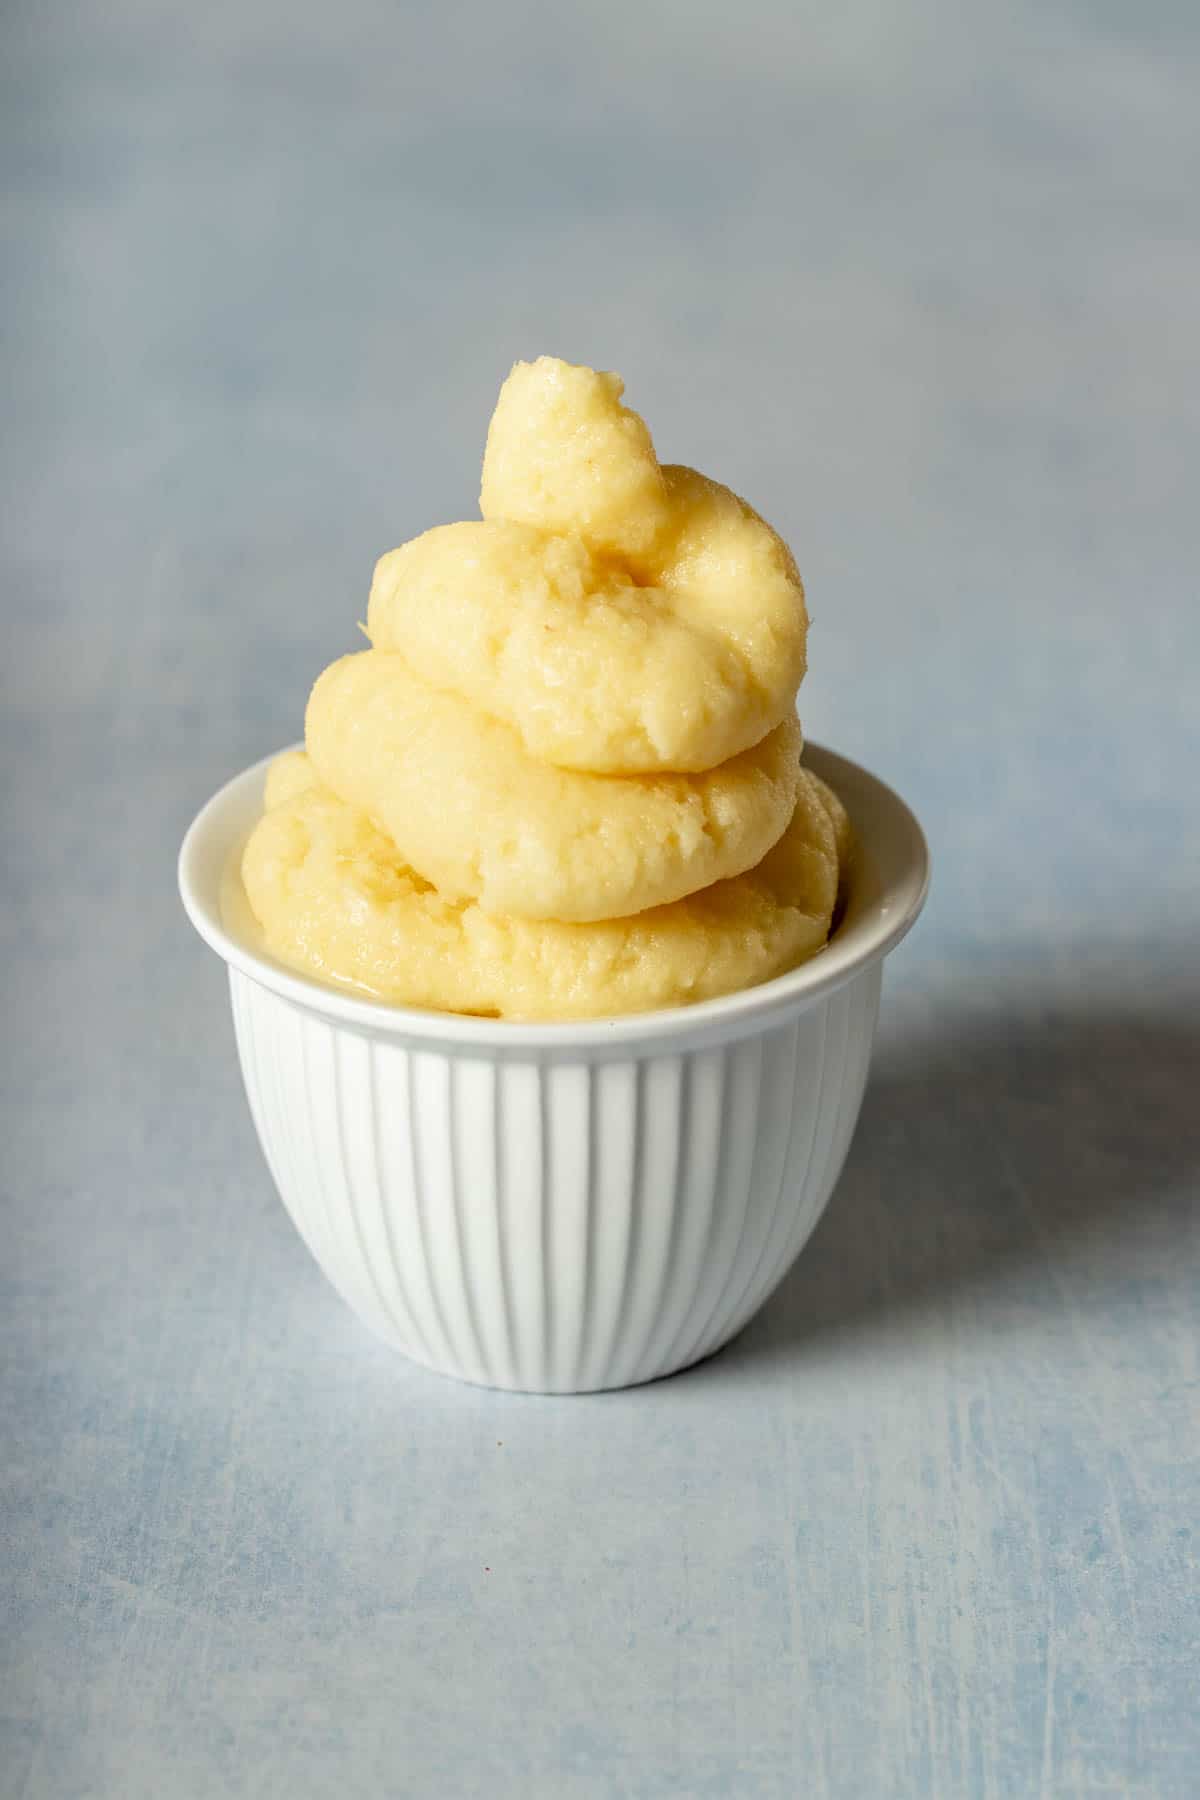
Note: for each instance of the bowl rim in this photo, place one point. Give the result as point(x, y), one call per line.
point(887, 917)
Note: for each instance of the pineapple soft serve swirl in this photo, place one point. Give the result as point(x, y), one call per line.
point(565, 780)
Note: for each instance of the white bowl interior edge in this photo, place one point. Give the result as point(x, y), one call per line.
point(889, 881)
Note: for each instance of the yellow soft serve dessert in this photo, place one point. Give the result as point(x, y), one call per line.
point(565, 780)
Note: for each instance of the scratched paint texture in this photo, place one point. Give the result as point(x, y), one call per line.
point(922, 279)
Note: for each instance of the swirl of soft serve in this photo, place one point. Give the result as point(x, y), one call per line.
point(565, 780)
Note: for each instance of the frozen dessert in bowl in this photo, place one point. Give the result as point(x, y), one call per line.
point(551, 1052)
point(565, 780)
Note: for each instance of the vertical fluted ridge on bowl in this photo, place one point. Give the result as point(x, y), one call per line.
point(747, 1116)
point(410, 1331)
point(556, 1224)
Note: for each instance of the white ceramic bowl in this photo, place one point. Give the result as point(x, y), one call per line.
point(560, 1208)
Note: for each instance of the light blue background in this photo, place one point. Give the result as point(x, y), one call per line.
point(922, 279)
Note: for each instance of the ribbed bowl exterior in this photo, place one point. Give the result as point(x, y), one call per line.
point(563, 1223)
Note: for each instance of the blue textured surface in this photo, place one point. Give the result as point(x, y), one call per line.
point(922, 280)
